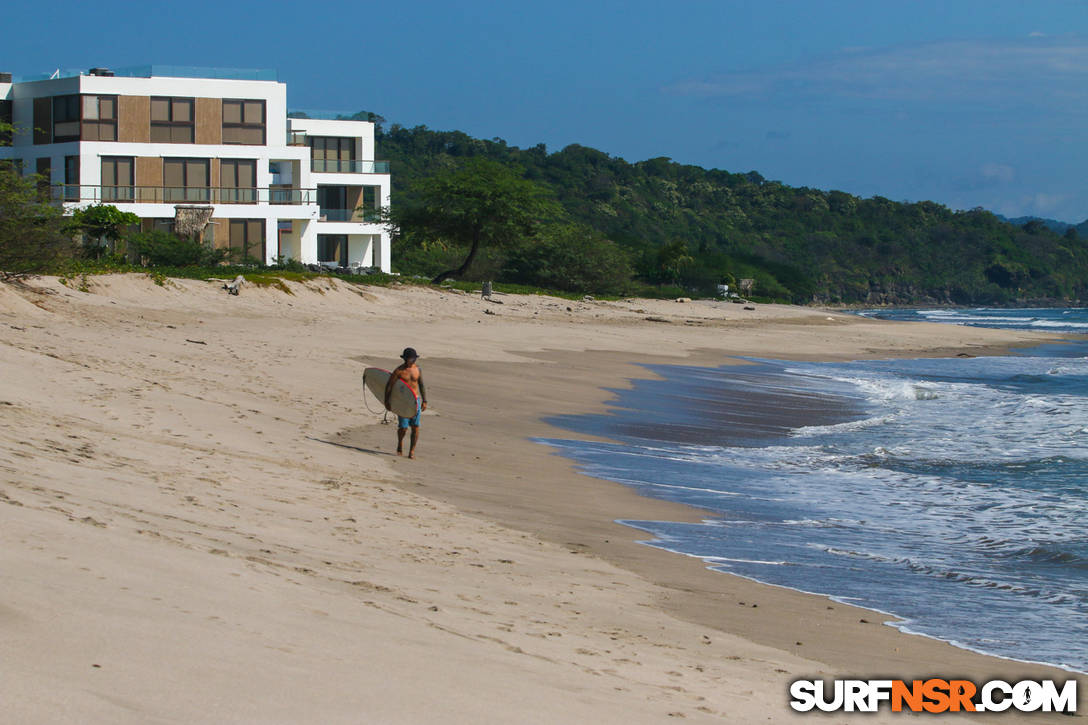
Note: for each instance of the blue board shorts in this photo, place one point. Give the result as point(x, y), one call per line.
point(413, 421)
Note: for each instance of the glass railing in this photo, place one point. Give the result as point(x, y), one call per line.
point(297, 138)
point(292, 196)
point(351, 215)
point(170, 71)
point(183, 194)
point(336, 166)
point(237, 196)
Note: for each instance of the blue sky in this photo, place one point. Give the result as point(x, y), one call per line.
point(965, 102)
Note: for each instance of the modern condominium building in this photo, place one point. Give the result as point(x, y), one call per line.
point(205, 151)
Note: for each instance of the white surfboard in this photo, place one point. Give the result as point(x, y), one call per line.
point(402, 400)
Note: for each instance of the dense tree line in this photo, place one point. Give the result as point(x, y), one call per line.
point(669, 223)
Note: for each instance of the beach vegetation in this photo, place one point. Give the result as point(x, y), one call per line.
point(34, 234)
point(104, 228)
point(160, 248)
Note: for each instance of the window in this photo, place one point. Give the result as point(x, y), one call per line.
point(5, 117)
point(332, 197)
point(332, 248)
point(65, 118)
point(84, 118)
point(246, 240)
point(185, 179)
point(43, 120)
point(44, 169)
point(243, 122)
point(171, 120)
point(71, 177)
point(238, 179)
point(163, 225)
point(117, 178)
point(99, 118)
point(332, 154)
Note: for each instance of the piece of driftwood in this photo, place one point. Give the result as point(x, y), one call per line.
point(233, 287)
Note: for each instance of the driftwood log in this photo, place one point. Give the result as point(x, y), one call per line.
point(233, 287)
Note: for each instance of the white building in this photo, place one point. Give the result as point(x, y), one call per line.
point(206, 144)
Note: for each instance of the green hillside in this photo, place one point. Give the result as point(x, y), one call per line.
point(798, 244)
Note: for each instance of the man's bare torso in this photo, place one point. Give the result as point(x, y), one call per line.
point(410, 374)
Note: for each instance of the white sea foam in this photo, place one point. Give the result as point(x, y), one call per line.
point(956, 497)
point(1062, 323)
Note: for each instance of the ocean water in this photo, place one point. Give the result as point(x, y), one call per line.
point(952, 492)
point(1073, 321)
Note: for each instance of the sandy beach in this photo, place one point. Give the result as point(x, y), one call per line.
point(201, 519)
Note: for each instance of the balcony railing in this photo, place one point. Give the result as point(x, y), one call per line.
point(183, 194)
point(336, 166)
point(351, 215)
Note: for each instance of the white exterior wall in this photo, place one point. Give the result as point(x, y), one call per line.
point(368, 242)
point(305, 216)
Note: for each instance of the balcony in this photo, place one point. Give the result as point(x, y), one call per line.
point(183, 194)
point(336, 166)
point(350, 215)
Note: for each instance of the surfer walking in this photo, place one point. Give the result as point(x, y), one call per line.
point(412, 376)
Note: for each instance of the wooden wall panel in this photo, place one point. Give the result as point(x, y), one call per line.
point(209, 120)
point(134, 119)
point(215, 175)
point(148, 172)
point(355, 200)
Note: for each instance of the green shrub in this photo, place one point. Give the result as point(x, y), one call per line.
point(163, 249)
point(289, 265)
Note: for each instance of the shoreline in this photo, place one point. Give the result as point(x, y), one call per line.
point(194, 480)
point(728, 430)
point(691, 589)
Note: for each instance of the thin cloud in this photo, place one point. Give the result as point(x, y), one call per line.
point(999, 173)
point(1026, 69)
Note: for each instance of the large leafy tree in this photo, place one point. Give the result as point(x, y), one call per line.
point(474, 203)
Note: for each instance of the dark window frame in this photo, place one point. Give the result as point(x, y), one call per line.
point(341, 247)
point(242, 194)
point(71, 177)
point(62, 112)
point(245, 244)
point(186, 187)
point(43, 168)
point(6, 116)
point(119, 191)
point(170, 123)
point(242, 124)
point(337, 161)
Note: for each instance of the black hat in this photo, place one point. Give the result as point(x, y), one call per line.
point(408, 354)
